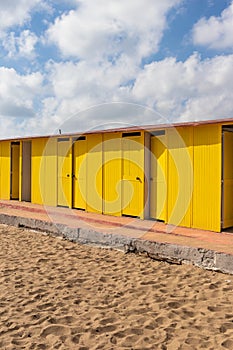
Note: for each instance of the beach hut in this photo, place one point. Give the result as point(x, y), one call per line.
point(181, 174)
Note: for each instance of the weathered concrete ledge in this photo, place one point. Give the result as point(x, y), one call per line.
point(172, 253)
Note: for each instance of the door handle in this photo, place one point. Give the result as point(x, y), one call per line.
point(67, 175)
point(138, 179)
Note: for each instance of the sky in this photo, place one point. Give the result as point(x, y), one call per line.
point(79, 65)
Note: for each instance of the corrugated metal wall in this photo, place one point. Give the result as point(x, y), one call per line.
point(44, 171)
point(50, 171)
point(180, 176)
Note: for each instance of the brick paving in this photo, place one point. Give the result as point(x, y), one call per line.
point(147, 230)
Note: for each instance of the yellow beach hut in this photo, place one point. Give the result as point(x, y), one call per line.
point(181, 174)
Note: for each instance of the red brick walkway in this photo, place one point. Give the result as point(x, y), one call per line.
point(129, 227)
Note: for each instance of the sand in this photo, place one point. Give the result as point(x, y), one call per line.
point(56, 294)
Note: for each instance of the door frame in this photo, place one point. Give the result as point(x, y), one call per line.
point(26, 167)
point(14, 143)
point(157, 133)
point(225, 128)
point(129, 135)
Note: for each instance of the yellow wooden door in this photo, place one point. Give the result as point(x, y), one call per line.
point(15, 170)
point(227, 180)
point(79, 173)
point(158, 183)
point(94, 176)
point(64, 173)
point(133, 174)
point(5, 170)
point(112, 174)
point(38, 170)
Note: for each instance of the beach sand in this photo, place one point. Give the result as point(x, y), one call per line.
point(55, 294)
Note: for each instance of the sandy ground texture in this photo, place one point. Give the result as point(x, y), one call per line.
point(56, 294)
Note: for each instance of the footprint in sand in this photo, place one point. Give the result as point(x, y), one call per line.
point(104, 329)
point(174, 304)
point(76, 338)
point(106, 321)
point(214, 308)
point(228, 344)
point(194, 342)
point(66, 320)
point(45, 306)
point(229, 316)
point(188, 313)
point(225, 327)
point(56, 330)
point(41, 346)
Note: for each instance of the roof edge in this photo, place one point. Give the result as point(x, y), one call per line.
point(123, 129)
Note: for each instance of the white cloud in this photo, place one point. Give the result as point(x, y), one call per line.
point(102, 29)
point(22, 45)
point(81, 96)
point(15, 12)
point(215, 32)
point(108, 40)
point(71, 79)
point(17, 93)
point(189, 90)
point(77, 86)
point(168, 90)
point(16, 86)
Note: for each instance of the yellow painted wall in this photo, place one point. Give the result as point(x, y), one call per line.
point(50, 175)
point(94, 173)
point(207, 178)
point(180, 175)
point(44, 171)
point(5, 166)
point(112, 174)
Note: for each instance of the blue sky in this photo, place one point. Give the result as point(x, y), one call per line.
point(77, 64)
